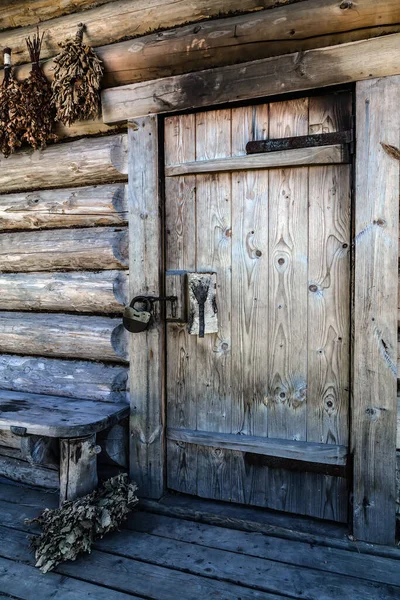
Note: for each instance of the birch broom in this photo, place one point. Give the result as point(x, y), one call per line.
point(37, 109)
point(10, 109)
point(77, 79)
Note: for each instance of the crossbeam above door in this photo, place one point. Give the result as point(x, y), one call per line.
point(322, 155)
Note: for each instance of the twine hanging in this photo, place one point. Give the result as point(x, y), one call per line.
point(77, 78)
point(38, 113)
point(11, 121)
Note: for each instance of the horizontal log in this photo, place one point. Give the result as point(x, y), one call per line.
point(72, 207)
point(284, 158)
point(285, 29)
point(70, 378)
point(293, 72)
point(83, 162)
point(103, 292)
point(64, 249)
point(115, 21)
point(311, 452)
point(17, 13)
point(94, 338)
point(85, 128)
point(23, 472)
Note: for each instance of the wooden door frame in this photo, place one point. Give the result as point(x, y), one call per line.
point(373, 424)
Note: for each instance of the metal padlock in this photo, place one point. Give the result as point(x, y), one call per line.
point(135, 320)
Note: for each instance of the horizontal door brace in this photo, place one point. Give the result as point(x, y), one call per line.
point(299, 141)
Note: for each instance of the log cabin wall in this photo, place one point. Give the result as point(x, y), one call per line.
point(63, 215)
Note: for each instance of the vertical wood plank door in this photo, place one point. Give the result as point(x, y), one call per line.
point(258, 413)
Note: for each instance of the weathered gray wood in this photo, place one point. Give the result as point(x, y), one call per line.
point(55, 416)
point(73, 207)
point(202, 289)
point(375, 312)
point(281, 448)
point(398, 424)
point(319, 155)
point(71, 378)
point(23, 472)
point(64, 249)
point(103, 292)
point(78, 467)
point(41, 334)
point(291, 552)
point(146, 349)
point(84, 162)
point(39, 450)
point(293, 72)
point(9, 440)
point(114, 445)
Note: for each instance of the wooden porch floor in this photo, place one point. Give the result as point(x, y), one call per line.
point(189, 549)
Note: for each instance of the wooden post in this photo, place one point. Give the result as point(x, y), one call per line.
point(78, 467)
point(146, 348)
point(375, 311)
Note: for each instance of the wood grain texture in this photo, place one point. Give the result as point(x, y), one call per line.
point(301, 451)
point(78, 467)
point(284, 158)
point(146, 350)
point(292, 72)
point(55, 416)
point(64, 250)
point(329, 305)
point(83, 162)
point(213, 43)
point(41, 334)
point(375, 312)
point(114, 443)
point(88, 292)
point(180, 211)
point(74, 207)
point(23, 472)
point(70, 378)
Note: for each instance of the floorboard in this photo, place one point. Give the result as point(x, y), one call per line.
point(163, 557)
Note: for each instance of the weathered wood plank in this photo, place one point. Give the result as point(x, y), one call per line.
point(113, 21)
point(74, 207)
point(55, 416)
point(24, 472)
point(249, 310)
point(85, 128)
point(214, 43)
point(17, 13)
point(180, 255)
point(146, 350)
point(285, 158)
point(40, 334)
point(303, 451)
point(70, 378)
point(84, 162)
point(213, 243)
point(292, 552)
point(78, 467)
point(375, 312)
point(64, 249)
point(293, 72)
point(103, 292)
point(114, 445)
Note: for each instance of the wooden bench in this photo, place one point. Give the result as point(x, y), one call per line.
point(36, 418)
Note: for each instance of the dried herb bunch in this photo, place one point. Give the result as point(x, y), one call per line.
point(72, 529)
point(37, 109)
point(11, 121)
point(77, 79)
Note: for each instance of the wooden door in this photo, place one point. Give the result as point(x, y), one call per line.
point(258, 413)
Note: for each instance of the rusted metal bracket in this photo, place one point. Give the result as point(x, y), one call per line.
point(301, 141)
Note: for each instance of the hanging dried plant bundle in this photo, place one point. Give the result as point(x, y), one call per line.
point(72, 529)
point(37, 111)
point(11, 121)
point(77, 79)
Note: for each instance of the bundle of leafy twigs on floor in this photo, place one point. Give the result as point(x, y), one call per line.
point(11, 121)
point(77, 80)
point(37, 110)
point(72, 529)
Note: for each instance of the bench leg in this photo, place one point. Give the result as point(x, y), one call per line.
point(78, 467)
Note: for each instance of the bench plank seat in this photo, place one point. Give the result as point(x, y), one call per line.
point(55, 416)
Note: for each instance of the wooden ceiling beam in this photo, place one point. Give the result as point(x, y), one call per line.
point(312, 69)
